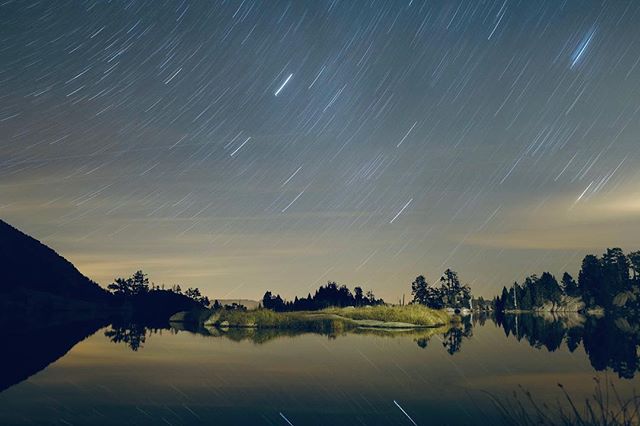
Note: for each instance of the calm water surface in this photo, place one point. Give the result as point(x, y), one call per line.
point(180, 377)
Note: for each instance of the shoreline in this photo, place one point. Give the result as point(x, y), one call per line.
point(408, 317)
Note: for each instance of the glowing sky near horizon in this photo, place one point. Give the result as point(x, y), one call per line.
point(241, 146)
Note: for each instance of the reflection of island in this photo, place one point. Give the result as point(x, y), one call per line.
point(451, 336)
point(264, 335)
point(24, 355)
point(610, 342)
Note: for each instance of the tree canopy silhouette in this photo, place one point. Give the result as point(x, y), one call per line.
point(450, 294)
point(330, 295)
point(600, 281)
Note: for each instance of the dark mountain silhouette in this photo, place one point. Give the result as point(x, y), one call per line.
point(27, 264)
point(47, 306)
point(38, 286)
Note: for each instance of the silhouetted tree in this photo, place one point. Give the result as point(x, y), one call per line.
point(235, 307)
point(526, 301)
point(569, 285)
point(549, 288)
point(121, 287)
point(634, 263)
point(371, 299)
point(194, 293)
point(455, 294)
point(502, 301)
point(138, 283)
point(358, 296)
point(420, 290)
point(591, 281)
point(615, 268)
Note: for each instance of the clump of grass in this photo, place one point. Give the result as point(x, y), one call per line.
point(412, 314)
point(604, 408)
point(265, 318)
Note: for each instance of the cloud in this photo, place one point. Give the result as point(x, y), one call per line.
point(563, 224)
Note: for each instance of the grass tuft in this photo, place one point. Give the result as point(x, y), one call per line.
point(604, 408)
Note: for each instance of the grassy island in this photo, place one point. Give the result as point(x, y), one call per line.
point(383, 317)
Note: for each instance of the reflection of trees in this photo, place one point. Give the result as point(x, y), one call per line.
point(265, 335)
point(422, 342)
point(452, 339)
point(611, 346)
point(608, 341)
point(132, 335)
point(480, 318)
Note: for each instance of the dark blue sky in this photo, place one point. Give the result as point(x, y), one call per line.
point(239, 146)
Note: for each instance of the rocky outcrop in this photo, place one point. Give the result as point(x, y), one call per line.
point(567, 304)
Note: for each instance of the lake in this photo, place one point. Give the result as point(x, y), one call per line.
point(127, 375)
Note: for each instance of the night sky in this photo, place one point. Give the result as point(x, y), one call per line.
point(242, 146)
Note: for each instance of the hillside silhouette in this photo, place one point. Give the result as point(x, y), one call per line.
point(39, 286)
point(27, 264)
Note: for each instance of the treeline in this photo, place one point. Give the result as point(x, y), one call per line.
point(609, 281)
point(138, 285)
point(330, 295)
point(148, 304)
point(451, 293)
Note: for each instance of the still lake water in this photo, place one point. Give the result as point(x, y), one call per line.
point(180, 377)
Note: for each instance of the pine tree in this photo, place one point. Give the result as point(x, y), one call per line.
point(569, 285)
point(419, 290)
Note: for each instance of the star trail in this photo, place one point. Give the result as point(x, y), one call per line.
point(240, 146)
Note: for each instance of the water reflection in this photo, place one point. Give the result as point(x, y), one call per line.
point(132, 335)
point(28, 350)
point(261, 336)
point(609, 341)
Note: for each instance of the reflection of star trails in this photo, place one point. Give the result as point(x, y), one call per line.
point(401, 409)
point(286, 419)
